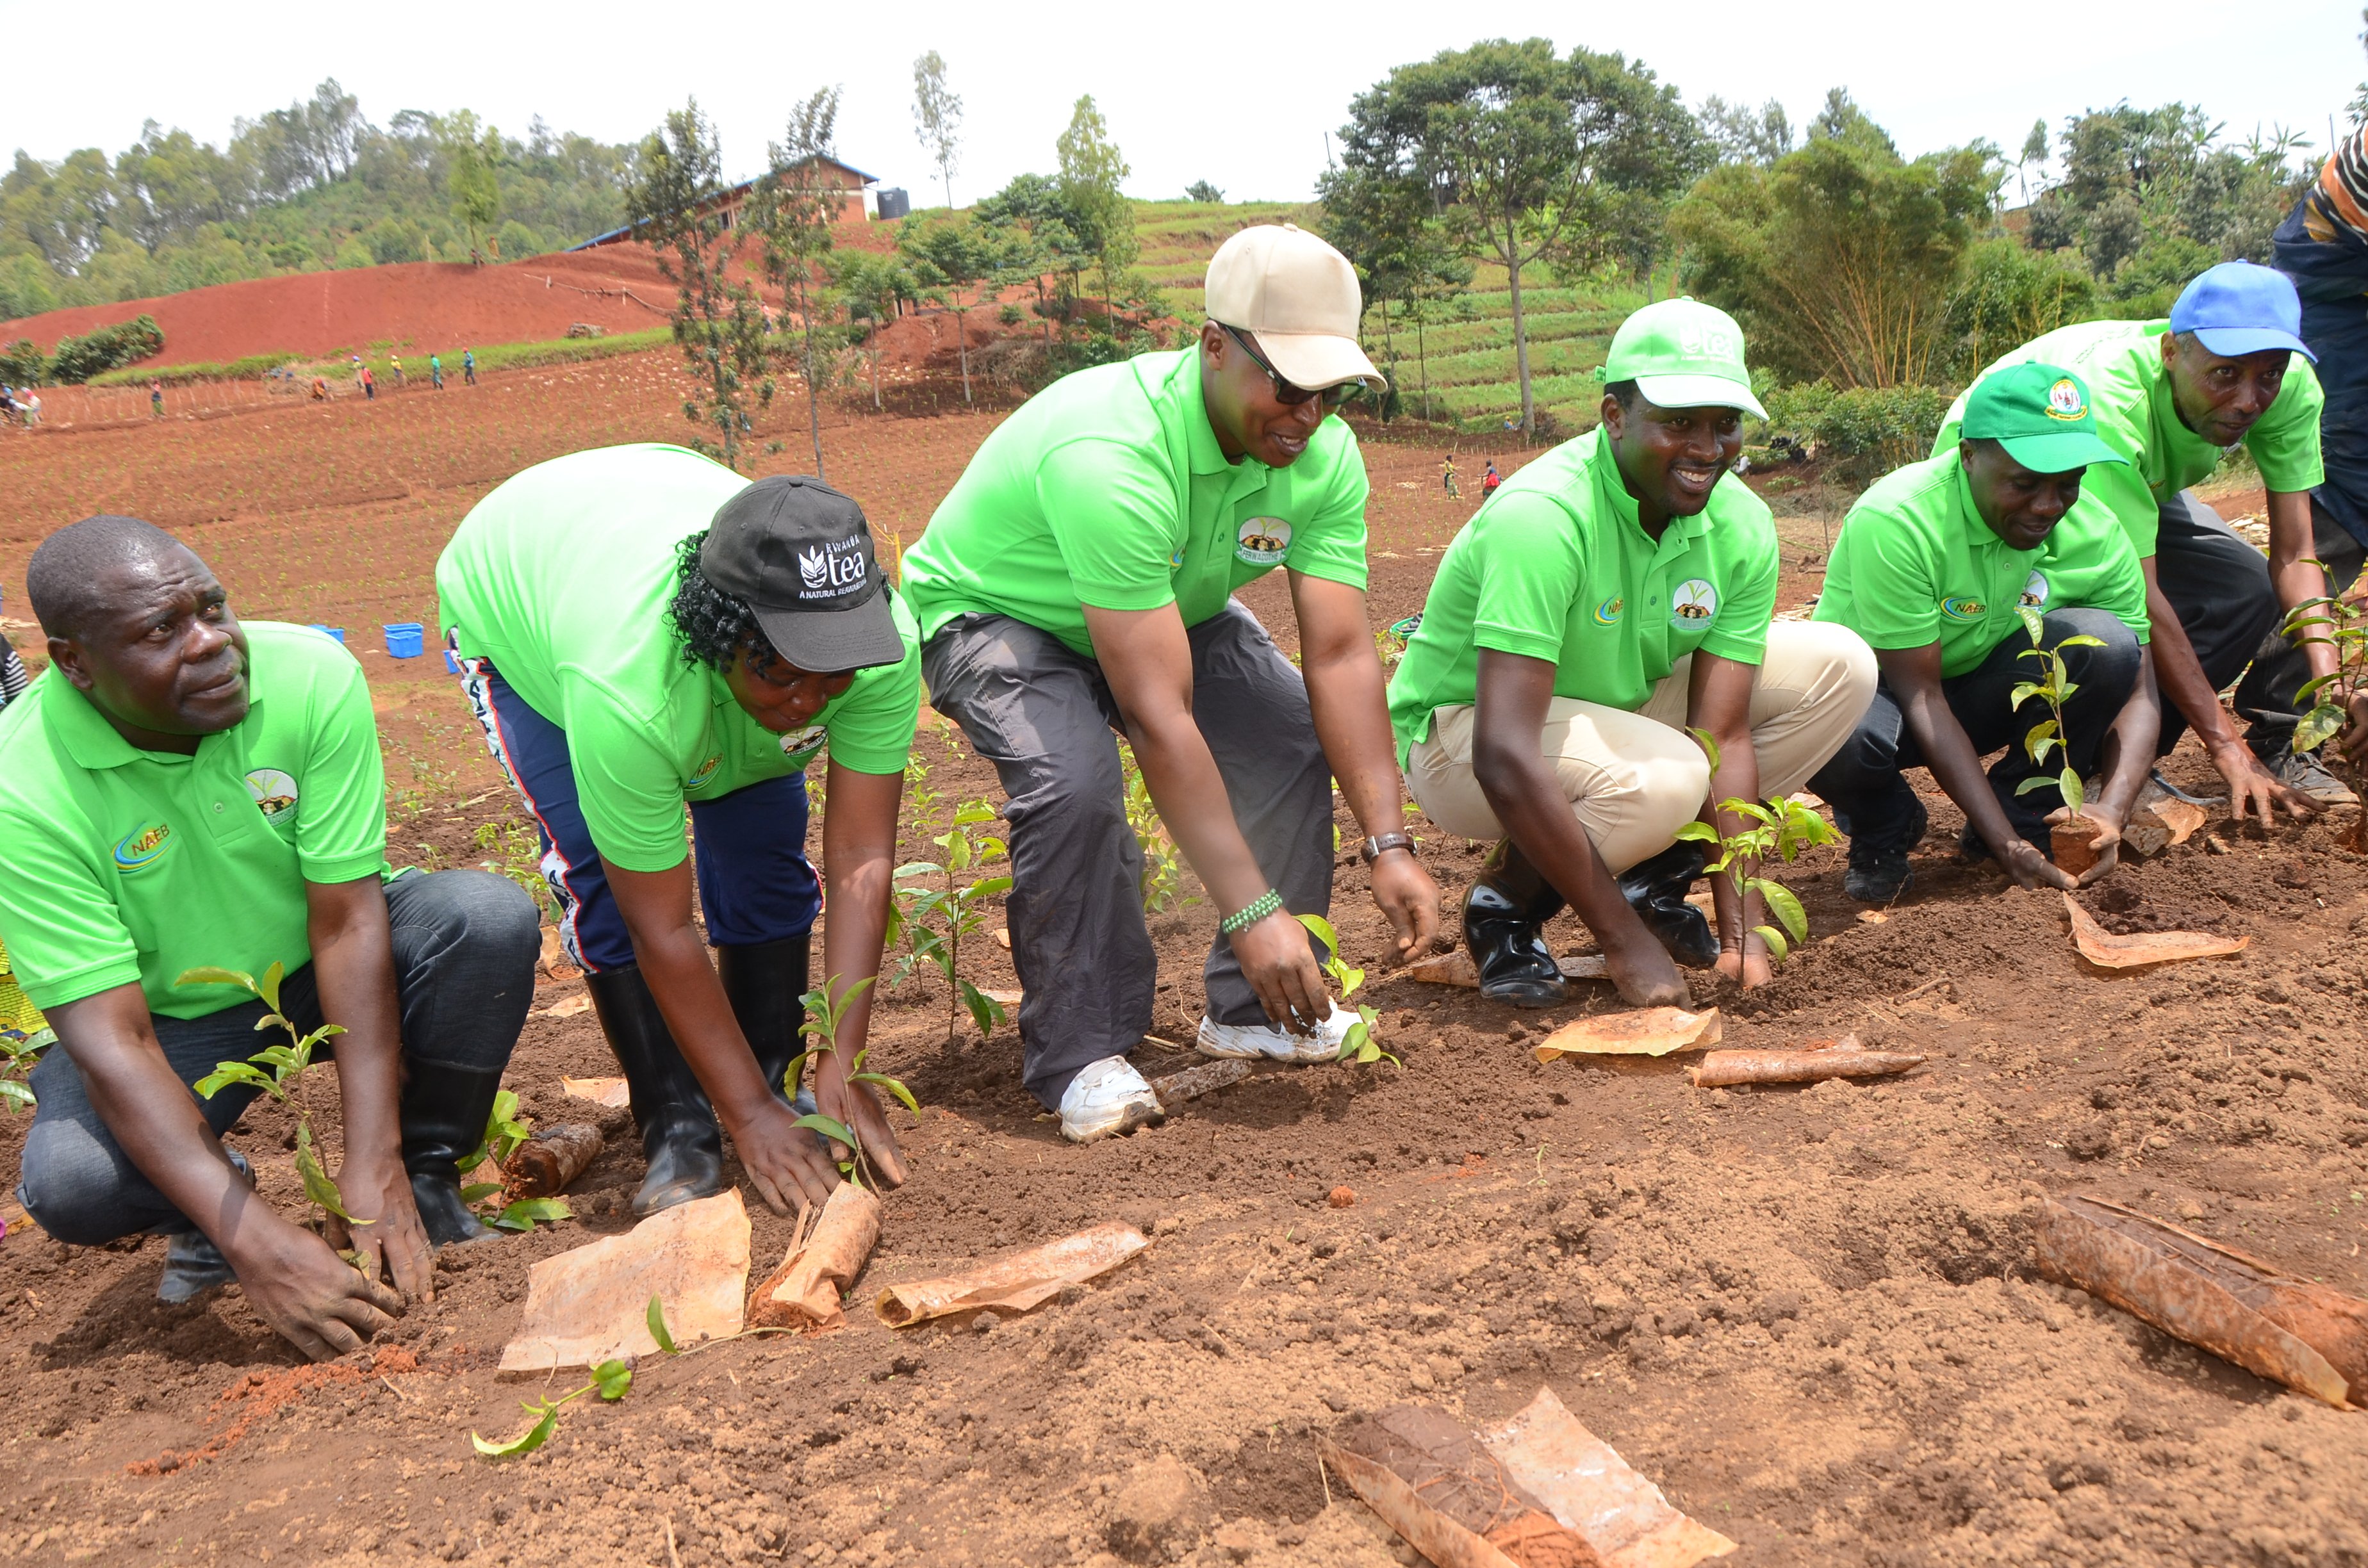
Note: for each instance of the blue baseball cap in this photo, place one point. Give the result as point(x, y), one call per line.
point(2239, 307)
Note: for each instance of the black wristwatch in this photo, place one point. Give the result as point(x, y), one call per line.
point(1375, 848)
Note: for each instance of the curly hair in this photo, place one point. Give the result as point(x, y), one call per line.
point(715, 626)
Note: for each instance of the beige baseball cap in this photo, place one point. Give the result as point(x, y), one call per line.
point(1300, 297)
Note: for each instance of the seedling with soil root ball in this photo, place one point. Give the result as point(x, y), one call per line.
point(503, 1133)
point(278, 1071)
point(2070, 839)
point(824, 1016)
point(1779, 828)
point(933, 921)
point(1357, 1044)
point(2338, 622)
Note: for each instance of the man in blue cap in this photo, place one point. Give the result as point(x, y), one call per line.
point(2171, 397)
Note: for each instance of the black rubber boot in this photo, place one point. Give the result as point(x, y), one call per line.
point(765, 983)
point(444, 1113)
point(193, 1265)
point(1656, 889)
point(680, 1139)
point(1503, 912)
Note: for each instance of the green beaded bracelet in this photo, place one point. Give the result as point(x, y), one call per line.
point(1251, 913)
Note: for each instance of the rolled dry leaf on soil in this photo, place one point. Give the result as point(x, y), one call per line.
point(1194, 1082)
point(546, 1163)
point(553, 960)
point(2106, 951)
point(566, 1006)
point(1457, 969)
point(1016, 1283)
point(613, 1093)
point(2311, 1338)
point(591, 1304)
point(2167, 822)
point(1814, 1063)
point(1648, 1031)
point(806, 1291)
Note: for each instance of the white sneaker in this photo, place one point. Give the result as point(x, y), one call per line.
point(1277, 1044)
point(1107, 1097)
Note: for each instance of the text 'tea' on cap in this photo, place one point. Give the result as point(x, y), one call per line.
point(1683, 354)
point(2040, 413)
point(1299, 298)
point(799, 554)
point(2240, 307)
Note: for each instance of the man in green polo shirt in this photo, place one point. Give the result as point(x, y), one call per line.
point(642, 633)
point(1935, 568)
point(184, 790)
point(2173, 397)
point(1611, 594)
point(1079, 581)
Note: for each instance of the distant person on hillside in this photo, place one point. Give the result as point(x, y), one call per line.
point(31, 403)
point(643, 632)
point(1489, 480)
point(436, 372)
point(395, 363)
point(1078, 585)
point(370, 385)
point(320, 389)
point(468, 367)
point(1447, 477)
point(1617, 594)
point(155, 399)
point(361, 372)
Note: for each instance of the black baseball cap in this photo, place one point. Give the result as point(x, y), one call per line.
point(798, 553)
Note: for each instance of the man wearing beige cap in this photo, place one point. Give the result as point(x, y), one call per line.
point(1078, 585)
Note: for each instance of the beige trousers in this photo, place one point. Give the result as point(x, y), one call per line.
point(1632, 779)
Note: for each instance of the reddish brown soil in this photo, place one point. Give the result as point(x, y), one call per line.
point(1809, 1313)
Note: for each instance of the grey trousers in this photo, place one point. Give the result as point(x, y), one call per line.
point(1044, 717)
point(465, 944)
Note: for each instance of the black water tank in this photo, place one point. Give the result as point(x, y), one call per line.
point(894, 202)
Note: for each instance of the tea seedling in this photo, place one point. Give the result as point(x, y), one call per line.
point(609, 1379)
point(1779, 828)
point(1162, 863)
point(821, 1027)
point(1358, 1044)
point(934, 921)
point(278, 1071)
point(2055, 688)
point(18, 1059)
point(503, 1133)
point(2341, 623)
point(513, 850)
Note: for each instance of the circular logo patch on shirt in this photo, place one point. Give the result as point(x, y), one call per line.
point(1262, 541)
point(142, 848)
point(1695, 601)
point(274, 791)
point(1962, 608)
point(800, 748)
point(1608, 612)
point(706, 771)
point(2035, 592)
point(2064, 401)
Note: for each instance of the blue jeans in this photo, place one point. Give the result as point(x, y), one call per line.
point(1864, 783)
point(749, 847)
point(465, 944)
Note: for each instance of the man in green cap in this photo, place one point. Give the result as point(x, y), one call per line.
point(1078, 582)
point(2173, 397)
point(1613, 593)
point(1935, 568)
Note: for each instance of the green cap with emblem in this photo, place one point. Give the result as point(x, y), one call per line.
point(2040, 415)
point(1683, 354)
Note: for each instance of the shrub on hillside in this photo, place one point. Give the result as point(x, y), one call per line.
point(1865, 432)
point(79, 359)
point(22, 363)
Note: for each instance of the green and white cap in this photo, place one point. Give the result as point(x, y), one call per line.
point(2040, 415)
point(1683, 354)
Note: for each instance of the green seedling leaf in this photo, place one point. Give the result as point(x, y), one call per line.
point(1778, 949)
point(656, 1318)
point(268, 986)
point(2080, 639)
point(546, 1422)
point(229, 1072)
point(829, 1127)
point(2311, 689)
point(984, 1010)
point(2039, 781)
point(975, 812)
point(478, 1191)
point(1787, 908)
point(16, 1096)
point(894, 1087)
point(1708, 744)
point(2318, 726)
point(2033, 622)
point(527, 1213)
point(317, 1185)
point(1698, 833)
point(211, 976)
point(613, 1378)
point(2074, 797)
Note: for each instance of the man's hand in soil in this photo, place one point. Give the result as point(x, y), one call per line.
point(782, 1159)
point(1745, 961)
point(1410, 898)
point(2107, 843)
point(859, 843)
point(311, 1297)
point(1640, 968)
point(2029, 867)
point(1279, 962)
point(856, 1107)
point(386, 1233)
point(2251, 786)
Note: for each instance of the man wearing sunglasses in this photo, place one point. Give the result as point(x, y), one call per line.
point(1078, 584)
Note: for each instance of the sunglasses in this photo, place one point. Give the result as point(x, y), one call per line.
point(1292, 397)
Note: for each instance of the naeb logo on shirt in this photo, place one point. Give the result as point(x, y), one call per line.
point(1960, 607)
point(801, 747)
point(1262, 541)
point(142, 848)
point(274, 792)
point(1608, 612)
point(2035, 592)
point(706, 771)
point(1695, 601)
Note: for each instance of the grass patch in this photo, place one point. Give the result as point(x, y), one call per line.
point(339, 363)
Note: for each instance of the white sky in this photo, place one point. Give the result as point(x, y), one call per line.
point(1240, 96)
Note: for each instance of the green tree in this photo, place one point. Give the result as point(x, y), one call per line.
point(958, 265)
point(1840, 260)
point(1405, 255)
point(2034, 152)
point(1099, 214)
point(1200, 190)
point(796, 206)
point(1742, 134)
point(476, 195)
point(718, 321)
point(936, 117)
point(1038, 235)
point(873, 286)
point(2005, 295)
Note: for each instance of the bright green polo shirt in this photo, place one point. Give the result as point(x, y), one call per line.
point(1555, 566)
point(561, 578)
point(1108, 489)
point(1915, 565)
point(2121, 364)
point(120, 865)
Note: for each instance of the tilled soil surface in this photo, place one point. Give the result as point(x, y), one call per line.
point(1810, 1314)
